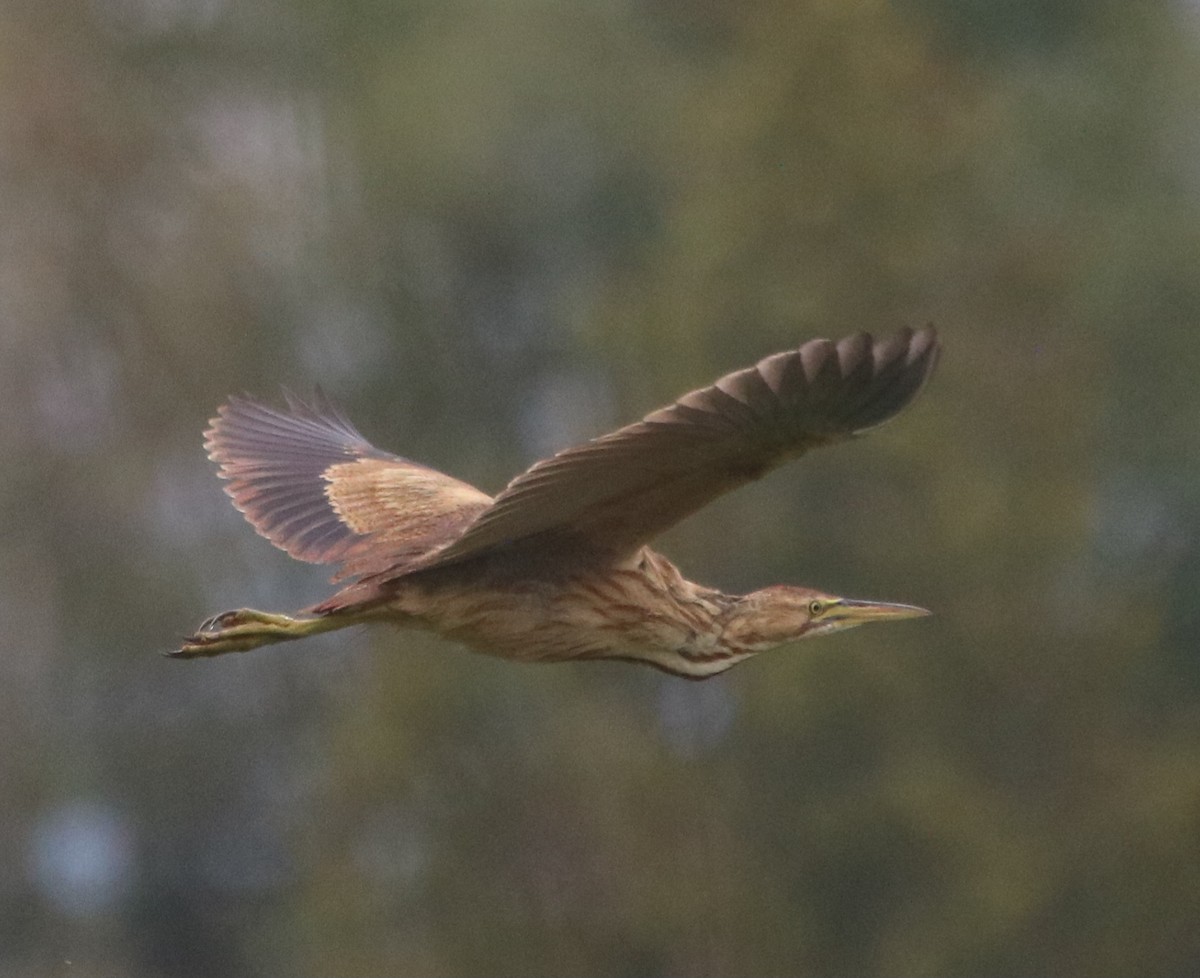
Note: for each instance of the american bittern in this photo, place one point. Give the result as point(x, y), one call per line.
point(556, 566)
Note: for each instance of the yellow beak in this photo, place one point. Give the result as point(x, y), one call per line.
point(850, 611)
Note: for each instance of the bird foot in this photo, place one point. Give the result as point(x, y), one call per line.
point(238, 631)
point(232, 619)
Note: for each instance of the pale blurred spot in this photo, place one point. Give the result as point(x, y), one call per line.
point(1132, 518)
point(564, 408)
point(144, 19)
point(391, 848)
point(694, 717)
point(341, 341)
point(271, 145)
point(81, 857)
point(73, 395)
point(186, 507)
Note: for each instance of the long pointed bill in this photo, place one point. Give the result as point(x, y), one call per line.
point(851, 612)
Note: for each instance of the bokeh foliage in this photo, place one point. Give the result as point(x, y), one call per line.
point(494, 229)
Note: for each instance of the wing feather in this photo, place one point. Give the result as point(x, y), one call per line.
point(615, 493)
point(311, 484)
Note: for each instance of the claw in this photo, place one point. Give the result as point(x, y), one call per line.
point(226, 619)
point(197, 644)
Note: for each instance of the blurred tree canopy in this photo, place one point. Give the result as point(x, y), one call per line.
point(496, 229)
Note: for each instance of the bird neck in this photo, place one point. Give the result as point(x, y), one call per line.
point(720, 624)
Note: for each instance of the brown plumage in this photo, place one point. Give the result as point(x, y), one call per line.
point(556, 566)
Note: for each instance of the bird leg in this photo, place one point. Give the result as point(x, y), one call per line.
point(245, 629)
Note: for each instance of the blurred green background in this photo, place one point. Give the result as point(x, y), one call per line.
point(492, 229)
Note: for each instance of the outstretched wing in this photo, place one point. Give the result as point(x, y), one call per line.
point(613, 494)
point(311, 484)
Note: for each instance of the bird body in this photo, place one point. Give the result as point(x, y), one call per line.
point(556, 567)
point(631, 611)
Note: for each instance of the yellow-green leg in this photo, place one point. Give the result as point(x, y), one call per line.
point(245, 629)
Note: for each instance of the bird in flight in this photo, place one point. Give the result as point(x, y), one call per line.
point(557, 566)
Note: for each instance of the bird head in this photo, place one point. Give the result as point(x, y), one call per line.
point(764, 619)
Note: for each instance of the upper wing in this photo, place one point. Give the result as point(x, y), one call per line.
point(312, 485)
point(611, 495)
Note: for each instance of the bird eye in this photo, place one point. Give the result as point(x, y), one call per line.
point(815, 608)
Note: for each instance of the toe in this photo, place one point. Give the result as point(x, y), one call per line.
point(226, 619)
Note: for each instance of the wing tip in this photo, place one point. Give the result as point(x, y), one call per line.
point(903, 364)
point(857, 383)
